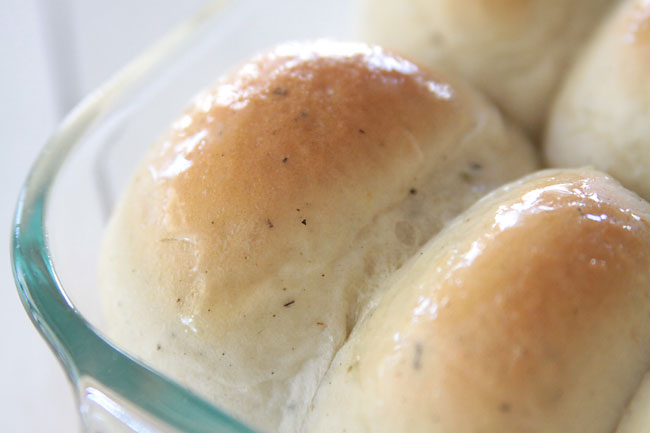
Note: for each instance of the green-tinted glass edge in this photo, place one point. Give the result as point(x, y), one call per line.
point(69, 335)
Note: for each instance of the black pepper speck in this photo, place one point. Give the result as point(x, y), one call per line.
point(417, 358)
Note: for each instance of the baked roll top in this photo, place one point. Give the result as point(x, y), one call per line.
point(530, 312)
point(260, 224)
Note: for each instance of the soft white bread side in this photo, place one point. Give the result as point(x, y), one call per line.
point(636, 418)
point(239, 257)
point(529, 313)
point(516, 51)
point(602, 114)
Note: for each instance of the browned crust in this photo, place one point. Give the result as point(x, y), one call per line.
point(310, 124)
point(536, 319)
point(286, 141)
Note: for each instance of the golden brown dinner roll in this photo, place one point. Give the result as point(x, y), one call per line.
point(516, 51)
point(602, 114)
point(253, 233)
point(529, 313)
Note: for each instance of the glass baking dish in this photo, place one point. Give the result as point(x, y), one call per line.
point(67, 198)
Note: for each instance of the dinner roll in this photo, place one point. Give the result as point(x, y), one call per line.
point(516, 51)
point(252, 234)
point(602, 114)
point(529, 313)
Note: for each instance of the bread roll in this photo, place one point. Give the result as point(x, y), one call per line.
point(636, 418)
point(602, 114)
point(254, 231)
point(529, 313)
point(515, 51)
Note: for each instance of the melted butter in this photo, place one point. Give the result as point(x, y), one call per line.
point(423, 330)
point(290, 56)
point(293, 61)
point(374, 56)
point(183, 123)
point(181, 162)
point(232, 96)
point(536, 201)
point(442, 91)
point(188, 321)
point(589, 206)
point(204, 102)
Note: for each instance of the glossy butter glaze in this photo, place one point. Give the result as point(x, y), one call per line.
point(528, 313)
point(256, 230)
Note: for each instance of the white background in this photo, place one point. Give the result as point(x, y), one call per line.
point(52, 53)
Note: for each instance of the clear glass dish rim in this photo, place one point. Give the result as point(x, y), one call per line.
point(79, 347)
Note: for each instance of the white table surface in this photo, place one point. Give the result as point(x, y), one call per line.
point(53, 53)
